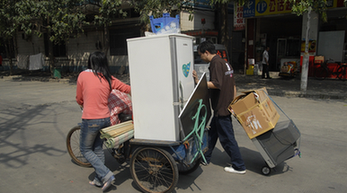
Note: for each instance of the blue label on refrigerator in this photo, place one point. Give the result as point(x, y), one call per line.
point(185, 69)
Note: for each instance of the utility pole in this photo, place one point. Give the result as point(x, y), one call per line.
point(305, 58)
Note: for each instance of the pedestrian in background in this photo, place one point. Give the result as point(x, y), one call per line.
point(265, 63)
point(223, 91)
point(94, 86)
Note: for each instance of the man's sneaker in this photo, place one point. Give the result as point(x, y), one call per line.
point(232, 170)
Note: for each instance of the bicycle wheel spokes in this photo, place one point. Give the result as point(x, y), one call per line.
point(341, 71)
point(73, 147)
point(154, 170)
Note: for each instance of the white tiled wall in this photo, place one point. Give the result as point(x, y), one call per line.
point(195, 24)
point(78, 50)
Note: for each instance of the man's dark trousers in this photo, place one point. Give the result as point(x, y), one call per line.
point(222, 127)
point(265, 70)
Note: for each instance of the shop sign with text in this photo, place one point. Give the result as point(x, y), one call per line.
point(239, 21)
point(266, 7)
point(269, 7)
point(255, 8)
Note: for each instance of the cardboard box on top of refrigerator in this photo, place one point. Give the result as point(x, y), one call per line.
point(255, 111)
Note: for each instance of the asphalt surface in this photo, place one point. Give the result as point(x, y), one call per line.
point(277, 86)
point(37, 112)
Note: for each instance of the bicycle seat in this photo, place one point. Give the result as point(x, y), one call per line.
point(124, 117)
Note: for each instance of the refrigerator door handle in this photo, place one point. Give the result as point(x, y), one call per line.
point(181, 97)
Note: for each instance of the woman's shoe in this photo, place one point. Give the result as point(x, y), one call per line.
point(95, 183)
point(108, 183)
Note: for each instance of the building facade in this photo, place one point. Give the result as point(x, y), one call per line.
point(271, 23)
point(72, 56)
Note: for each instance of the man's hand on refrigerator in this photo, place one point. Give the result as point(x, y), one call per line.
point(195, 76)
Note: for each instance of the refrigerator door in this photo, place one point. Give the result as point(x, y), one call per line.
point(182, 48)
point(157, 82)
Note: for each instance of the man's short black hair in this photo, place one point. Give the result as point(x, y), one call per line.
point(207, 46)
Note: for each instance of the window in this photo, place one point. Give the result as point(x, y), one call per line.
point(59, 50)
point(118, 43)
point(3, 45)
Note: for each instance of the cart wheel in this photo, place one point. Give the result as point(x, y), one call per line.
point(73, 147)
point(266, 170)
point(187, 169)
point(153, 170)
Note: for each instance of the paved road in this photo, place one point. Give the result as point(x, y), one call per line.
point(36, 116)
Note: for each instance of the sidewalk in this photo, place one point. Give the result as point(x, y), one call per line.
point(277, 86)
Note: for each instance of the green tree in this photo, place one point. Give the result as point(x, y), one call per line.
point(8, 27)
point(306, 7)
point(59, 19)
point(108, 12)
point(156, 8)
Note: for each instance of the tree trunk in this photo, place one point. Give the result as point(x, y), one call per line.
point(305, 58)
point(106, 41)
point(224, 25)
point(51, 56)
point(50, 53)
point(9, 55)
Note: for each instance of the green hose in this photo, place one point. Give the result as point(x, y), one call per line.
point(198, 131)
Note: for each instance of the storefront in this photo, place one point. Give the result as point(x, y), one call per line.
point(328, 39)
point(271, 23)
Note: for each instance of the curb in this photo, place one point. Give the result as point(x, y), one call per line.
point(299, 94)
point(308, 95)
point(283, 93)
point(311, 95)
point(39, 79)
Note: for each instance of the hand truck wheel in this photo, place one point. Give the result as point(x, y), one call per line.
point(266, 170)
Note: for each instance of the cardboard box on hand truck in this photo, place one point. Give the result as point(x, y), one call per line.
point(255, 111)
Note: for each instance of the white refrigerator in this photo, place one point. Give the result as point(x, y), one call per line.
point(161, 82)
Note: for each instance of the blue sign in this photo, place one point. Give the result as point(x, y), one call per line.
point(249, 9)
point(261, 6)
point(200, 3)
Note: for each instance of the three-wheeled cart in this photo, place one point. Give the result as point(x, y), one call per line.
point(170, 112)
point(155, 164)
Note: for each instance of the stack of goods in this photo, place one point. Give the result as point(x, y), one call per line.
point(117, 134)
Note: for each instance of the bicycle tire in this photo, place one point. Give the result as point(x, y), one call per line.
point(320, 73)
point(73, 147)
point(187, 169)
point(341, 73)
point(153, 170)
